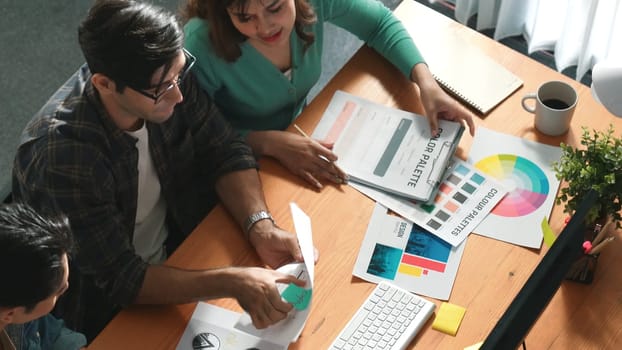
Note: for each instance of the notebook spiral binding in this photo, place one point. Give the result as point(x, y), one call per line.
point(455, 92)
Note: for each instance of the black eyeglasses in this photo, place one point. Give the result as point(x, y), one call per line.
point(165, 87)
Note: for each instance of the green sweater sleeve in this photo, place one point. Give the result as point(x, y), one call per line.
point(375, 24)
point(197, 42)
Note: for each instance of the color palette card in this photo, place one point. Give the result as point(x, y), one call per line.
point(396, 250)
point(464, 198)
point(524, 167)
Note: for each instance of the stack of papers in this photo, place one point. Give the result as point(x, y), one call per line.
point(387, 148)
point(385, 151)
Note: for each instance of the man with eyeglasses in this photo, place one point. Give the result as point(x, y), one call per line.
point(135, 155)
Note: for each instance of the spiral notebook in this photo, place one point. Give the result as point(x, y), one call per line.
point(469, 74)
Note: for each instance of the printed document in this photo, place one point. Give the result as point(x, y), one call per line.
point(212, 327)
point(464, 199)
point(388, 148)
point(524, 167)
point(396, 250)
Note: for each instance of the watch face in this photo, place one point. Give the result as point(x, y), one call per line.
point(205, 341)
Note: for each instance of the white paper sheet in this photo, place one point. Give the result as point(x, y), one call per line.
point(524, 167)
point(212, 326)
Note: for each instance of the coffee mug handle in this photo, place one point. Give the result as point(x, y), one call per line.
point(525, 106)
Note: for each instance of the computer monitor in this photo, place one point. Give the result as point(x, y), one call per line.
point(536, 293)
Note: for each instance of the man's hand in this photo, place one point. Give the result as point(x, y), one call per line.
point(274, 246)
point(256, 292)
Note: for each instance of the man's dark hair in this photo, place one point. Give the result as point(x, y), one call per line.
point(127, 41)
point(31, 255)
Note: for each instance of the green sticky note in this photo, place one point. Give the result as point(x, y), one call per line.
point(297, 296)
point(547, 233)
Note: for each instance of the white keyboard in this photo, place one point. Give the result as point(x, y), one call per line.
point(389, 318)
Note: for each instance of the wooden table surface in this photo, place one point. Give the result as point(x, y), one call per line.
point(491, 272)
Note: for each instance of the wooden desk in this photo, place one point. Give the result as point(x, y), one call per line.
point(491, 272)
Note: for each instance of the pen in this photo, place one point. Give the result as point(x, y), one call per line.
point(601, 245)
point(344, 178)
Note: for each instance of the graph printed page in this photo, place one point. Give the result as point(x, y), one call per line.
point(386, 147)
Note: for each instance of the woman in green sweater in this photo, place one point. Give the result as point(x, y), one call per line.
point(258, 59)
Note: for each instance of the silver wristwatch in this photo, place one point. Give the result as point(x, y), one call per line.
point(254, 218)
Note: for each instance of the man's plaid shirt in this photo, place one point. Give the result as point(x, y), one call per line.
point(74, 160)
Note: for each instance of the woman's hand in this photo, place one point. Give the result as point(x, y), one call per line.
point(305, 157)
point(437, 103)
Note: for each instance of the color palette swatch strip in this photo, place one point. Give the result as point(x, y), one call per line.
point(464, 198)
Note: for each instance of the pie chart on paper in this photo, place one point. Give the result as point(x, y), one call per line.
point(527, 185)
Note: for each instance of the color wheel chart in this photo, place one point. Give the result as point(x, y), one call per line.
point(406, 254)
point(524, 168)
point(526, 183)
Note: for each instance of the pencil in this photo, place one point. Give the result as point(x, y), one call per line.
point(601, 245)
point(343, 179)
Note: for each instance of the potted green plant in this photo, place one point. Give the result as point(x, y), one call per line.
point(597, 165)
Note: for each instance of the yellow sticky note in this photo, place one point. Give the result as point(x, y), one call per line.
point(547, 233)
point(448, 318)
point(474, 346)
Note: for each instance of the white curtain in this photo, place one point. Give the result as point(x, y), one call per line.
point(579, 32)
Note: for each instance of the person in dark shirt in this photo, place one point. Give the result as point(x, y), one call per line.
point(34, 253)
point(135, 154)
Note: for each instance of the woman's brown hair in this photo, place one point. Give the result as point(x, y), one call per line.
point(225, 38)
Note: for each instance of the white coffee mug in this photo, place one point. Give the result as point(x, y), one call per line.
point(555, 102)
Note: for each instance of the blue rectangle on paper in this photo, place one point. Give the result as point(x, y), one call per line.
point(477, 178)
point(392, 147)
point(423, 243)
point(384, 261)
point(462, 170)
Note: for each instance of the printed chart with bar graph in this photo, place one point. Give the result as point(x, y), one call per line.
point(399, 251)
point(524, 168)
